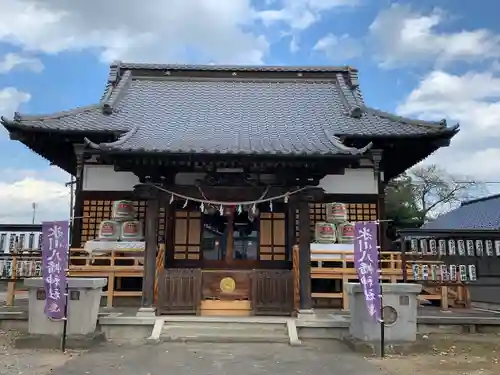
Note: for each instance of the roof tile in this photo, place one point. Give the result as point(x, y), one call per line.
point(480, 214)
point(247, 116)
point(231, 114)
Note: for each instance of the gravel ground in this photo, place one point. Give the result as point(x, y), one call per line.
point(28, 362)
point(322, 358)
point(448, 355)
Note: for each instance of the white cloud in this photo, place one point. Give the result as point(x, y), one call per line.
point(15, 61)
point(301, 14)
point(401, 35)
point(473, 100)
point(10, 100)
point(19, 189)
point(164, 30)
point(339, 48)
point(294, 44)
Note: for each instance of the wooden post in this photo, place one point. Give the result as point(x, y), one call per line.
point(291, 238)
point(148, 282)
point(169, 235)
point(305, 257)
point(77, 209)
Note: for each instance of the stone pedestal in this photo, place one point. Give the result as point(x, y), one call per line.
point(83, 307)
point(400, 313)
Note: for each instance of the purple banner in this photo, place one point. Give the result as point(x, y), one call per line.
point(54, 264)
point(366, 263)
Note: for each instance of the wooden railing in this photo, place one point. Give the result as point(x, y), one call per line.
point(326, 265)
point(339, 265)
point(113, 265)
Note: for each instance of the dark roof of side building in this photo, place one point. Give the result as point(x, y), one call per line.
point(231, 109)
point(482, 213)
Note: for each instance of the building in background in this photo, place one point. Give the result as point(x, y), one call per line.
point(482, 213)
point(23, 237)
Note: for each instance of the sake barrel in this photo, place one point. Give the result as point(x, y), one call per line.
point(336, 212)
point(131, 231)
point(325, 233)
point(109, 230)
point(345, 232)
point(123, 211)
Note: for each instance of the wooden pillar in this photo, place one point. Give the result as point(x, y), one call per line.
point(151, 195)
point(291, 235)
point(148, 282)
point(304, 256)
point(77, 209)
point(169, 235)
point(382, 227)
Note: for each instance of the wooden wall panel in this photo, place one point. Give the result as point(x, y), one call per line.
point(179, 291)
point(97, 210)
point(187, 235)
point(272, 236)
point(272, 292)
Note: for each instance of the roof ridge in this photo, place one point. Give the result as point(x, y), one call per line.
point(116, 93)
point(477, 200)
point(117, 65)
point(347, 87)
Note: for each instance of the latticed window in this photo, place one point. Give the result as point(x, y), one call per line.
point(95, 211)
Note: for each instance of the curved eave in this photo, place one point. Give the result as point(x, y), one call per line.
point(12, 126)
point(439, 132)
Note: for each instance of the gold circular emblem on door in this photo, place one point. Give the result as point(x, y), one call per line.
point(227, 285)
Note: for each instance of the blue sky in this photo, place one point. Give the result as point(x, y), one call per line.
point(423, 59)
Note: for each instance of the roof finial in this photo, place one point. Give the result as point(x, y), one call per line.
point(356, 112)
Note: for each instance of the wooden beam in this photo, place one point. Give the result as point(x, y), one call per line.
point(152, 164)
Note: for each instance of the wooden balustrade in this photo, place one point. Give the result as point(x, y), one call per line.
point(326, 265)
point(113, 265)
point(339, 265)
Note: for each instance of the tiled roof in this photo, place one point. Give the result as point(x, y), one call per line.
point(481, 213)
point(85, 119)
point(161, 111)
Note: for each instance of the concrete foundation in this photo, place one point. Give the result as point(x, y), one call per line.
point(400, 313)
point(83, 307)
point(146, 312)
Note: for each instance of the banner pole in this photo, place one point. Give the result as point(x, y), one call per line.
point(65, 319)
point(66, 289)
point(382, 324)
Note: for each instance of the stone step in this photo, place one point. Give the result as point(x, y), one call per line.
point(225, 333)
point(226, 326)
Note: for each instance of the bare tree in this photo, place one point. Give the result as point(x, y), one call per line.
point(436, 191)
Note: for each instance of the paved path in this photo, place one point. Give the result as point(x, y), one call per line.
point(325, 358)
